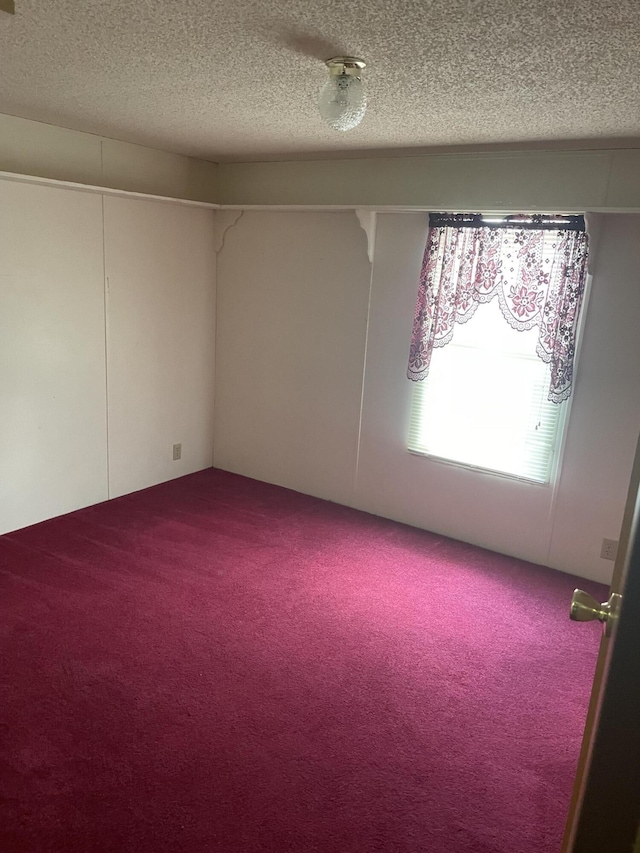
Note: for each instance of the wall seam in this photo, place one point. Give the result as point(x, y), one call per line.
point(215, 348)
point(218, 247)
point(105, 290)
point(364, 364)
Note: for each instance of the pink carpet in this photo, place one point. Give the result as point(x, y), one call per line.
point(217, 664)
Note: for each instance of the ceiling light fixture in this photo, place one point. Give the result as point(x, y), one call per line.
point(342, 101)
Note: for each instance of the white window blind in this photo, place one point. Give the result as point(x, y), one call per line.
point(484, 402)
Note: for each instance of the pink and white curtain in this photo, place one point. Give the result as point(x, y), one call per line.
point(536, 266)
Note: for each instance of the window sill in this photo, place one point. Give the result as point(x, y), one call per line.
point(489, 472)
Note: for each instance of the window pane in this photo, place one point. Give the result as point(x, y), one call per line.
point(485, 403)
point(488, 330)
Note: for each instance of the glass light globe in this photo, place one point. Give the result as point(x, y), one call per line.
point(342, 102)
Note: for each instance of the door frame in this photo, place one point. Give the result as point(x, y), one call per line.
point(605, 809)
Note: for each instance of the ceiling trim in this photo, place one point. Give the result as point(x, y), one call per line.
point(550, 182)
point(600, 206)
point(90, 188)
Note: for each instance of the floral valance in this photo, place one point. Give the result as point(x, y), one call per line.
point(535, 266)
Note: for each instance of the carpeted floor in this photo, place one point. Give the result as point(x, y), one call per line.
point(217, 664)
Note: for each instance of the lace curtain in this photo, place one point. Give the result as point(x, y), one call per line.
point(536, 266)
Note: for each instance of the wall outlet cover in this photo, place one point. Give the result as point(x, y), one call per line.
point(177, 452)
point(609, 550)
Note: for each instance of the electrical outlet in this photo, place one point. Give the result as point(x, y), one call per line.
point(177, 452)
point(609, 549)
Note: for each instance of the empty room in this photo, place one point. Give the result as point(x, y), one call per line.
point(320, 405)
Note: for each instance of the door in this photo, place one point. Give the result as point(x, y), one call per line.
point(604, 815)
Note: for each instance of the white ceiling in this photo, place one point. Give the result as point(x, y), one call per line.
point(238, 79)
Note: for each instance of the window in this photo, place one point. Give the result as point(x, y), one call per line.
point(492, 374)
point(485, 401)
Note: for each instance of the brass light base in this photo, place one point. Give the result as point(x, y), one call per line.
point(345, 65)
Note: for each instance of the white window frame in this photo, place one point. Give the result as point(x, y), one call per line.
point(564, 414)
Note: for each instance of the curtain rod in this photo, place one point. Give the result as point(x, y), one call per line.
point(532, 222)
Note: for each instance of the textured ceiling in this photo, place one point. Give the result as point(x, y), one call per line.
point(238, 79)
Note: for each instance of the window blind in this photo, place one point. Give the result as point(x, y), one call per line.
point(486, 408)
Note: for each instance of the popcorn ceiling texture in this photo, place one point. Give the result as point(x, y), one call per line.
point(239, 80)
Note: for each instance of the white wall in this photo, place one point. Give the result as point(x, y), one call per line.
point(158, 336)
point(292, 312)
point(300, 316)
point(160, 269)
point(561, 527)
point(605, 416)
point(491, 511)
point(269, 276)
point(52, 357)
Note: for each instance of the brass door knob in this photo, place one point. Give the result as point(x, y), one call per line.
point(585, 608)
